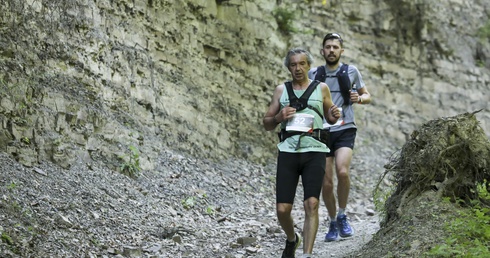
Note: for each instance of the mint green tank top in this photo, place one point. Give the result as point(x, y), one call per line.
point(307, 143)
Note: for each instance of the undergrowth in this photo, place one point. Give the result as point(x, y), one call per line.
point(468, 233)
point(285, 19)
point(484, 31)
point(131, 167)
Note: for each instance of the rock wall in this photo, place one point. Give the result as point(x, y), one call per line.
point(89, 80)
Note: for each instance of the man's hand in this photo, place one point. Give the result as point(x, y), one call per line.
point(354, 96)
point(286, 113)
point(334, 110)
point(333, 115)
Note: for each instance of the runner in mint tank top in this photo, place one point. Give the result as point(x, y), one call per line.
point(301, 153)
point(342, 134)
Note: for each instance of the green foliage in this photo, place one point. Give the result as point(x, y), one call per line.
point(6, 238)
point(25, 140)
point(483, 190)
point(469, 232)
point(11, 186)
point(210, 210)
point(199, 200)
point(189, 202)
point(324, 2)
point(381, 195)
point(15, 206)
point(132, 166)
point(285, 18)
point(94, 241)
point(484, 31)
point(20, 93)
point(484, 34)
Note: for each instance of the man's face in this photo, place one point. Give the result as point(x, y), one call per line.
point(298, 66)
point(332, 51)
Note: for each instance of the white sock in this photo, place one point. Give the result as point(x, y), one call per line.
point(341, 212)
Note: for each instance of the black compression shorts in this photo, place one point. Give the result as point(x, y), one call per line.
point(310, 166)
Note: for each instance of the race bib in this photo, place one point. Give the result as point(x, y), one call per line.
point(301, 123)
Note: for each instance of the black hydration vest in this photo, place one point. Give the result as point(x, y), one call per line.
point(343, 78)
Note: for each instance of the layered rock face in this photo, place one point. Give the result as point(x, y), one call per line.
point(91, 80)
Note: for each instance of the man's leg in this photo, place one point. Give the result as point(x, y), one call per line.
point(293, 239)
point(285, 219)
point(287, 178)
point(328, 187)
point(330, 201)
point(343, 157)
point(312, 175)
point(310, 227)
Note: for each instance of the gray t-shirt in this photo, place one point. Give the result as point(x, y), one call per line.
point(333, 84)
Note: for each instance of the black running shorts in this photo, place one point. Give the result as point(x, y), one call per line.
point(290, 166)
point(339, 139)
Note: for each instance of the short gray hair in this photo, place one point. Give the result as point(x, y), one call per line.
point(295, 51)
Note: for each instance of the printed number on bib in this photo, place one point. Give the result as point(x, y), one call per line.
point(301, 123)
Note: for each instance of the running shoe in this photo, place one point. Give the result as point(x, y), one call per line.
point(333, 232)
point(289, 251)
point(345, 230)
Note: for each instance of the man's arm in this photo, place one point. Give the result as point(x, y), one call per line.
point(364, 96)
point(271, 118)
point(330, 110)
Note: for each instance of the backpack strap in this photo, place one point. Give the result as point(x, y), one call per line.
point(342, 77)
point(344, 83)
point(302, 102)
point(321, 74)
point(292, 97)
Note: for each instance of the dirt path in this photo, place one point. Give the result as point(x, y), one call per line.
point(188, 208)
point(364, 225)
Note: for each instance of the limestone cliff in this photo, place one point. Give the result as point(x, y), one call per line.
point(89, 80)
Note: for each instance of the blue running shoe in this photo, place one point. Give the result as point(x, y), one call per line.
point(333, 232)
point(345, 230)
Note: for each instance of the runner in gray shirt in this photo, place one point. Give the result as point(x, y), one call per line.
point(342, 136)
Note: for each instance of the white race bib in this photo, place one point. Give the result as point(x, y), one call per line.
point(301, 123)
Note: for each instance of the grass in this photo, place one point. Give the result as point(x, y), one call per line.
point(131, 167)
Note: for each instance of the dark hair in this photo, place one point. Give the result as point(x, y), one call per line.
point(294, 51)
point(333, 36)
